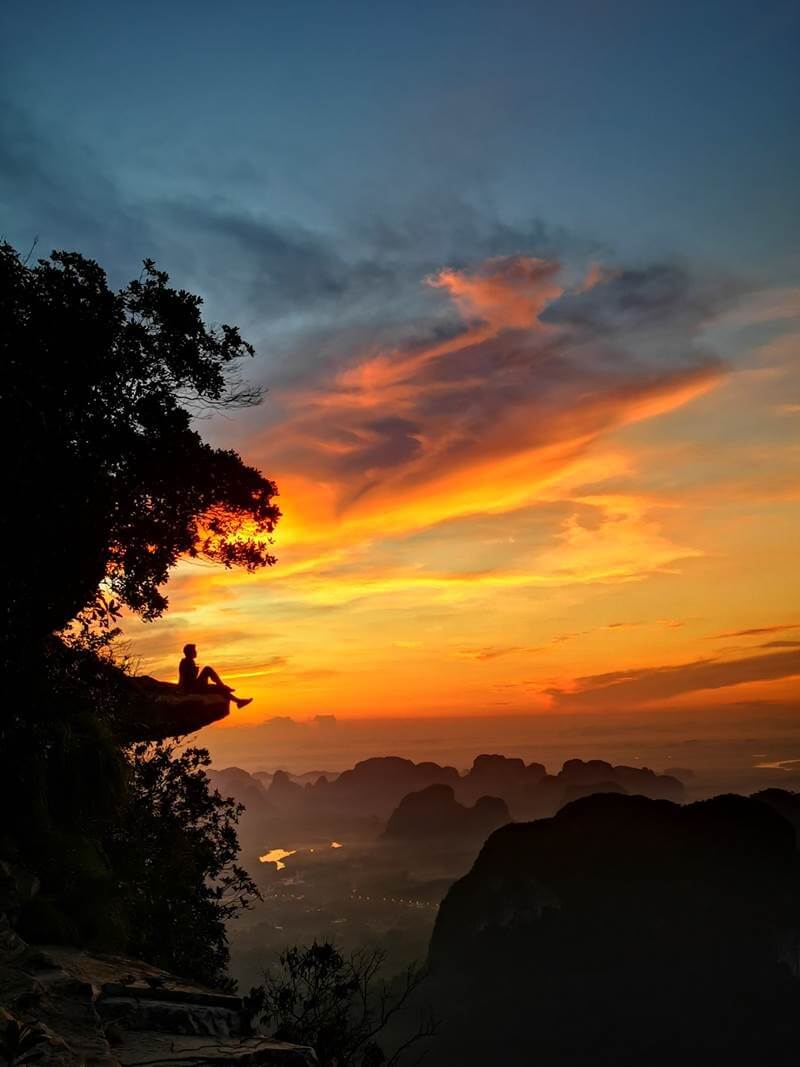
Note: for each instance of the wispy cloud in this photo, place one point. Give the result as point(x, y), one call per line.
point(494, 652)
point(486, 417)
point(758, 631)
point(647, 685)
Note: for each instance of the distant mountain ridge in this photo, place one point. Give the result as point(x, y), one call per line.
point(374, 787)
point(393, 798)
point(434, 813)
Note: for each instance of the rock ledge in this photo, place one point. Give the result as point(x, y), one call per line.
point(114, 1012)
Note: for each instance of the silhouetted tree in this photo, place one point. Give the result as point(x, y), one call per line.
point(107, 484)
point(108, 481)
point(174, 851)
point(337, 1004)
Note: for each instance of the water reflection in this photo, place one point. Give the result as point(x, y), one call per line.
point(277, 856)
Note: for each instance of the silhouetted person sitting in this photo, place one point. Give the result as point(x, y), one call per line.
point(193, 680)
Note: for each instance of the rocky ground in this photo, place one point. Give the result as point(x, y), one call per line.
point(85, 1008)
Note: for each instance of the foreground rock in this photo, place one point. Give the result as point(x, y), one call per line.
point(159, 710)
point(110, 1011)
point(629, 932)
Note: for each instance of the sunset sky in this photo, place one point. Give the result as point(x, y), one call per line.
point(524, 285)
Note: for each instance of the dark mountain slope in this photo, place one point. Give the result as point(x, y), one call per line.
point(625, 930)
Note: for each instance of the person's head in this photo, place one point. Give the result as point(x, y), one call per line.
point(190, 651)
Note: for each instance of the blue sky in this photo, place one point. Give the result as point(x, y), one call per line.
point(648, 128)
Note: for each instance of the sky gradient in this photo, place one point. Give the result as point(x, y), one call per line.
point(525, 292)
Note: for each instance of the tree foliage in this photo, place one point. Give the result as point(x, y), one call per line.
point(338, 1004)
point(108, 485)
point(109, 481)
point(134, 851)
point(174, 852)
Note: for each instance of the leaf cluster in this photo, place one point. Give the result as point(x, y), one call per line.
point(107, 485)
point(110, 481)
point(337, 1003)
point(174, 851)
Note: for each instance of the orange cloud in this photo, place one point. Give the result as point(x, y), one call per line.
point(507, 294)
point(481, 421)
point(497, 488)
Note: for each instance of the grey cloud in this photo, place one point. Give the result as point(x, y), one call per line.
point(618, 689)
point(517, 389)
point(631, 295)
point(313, 302)
point(58, 191)
point(62, 192)
point(318, 298)
point(284, 267)
point(643, 297)
point(308, 299)
point(392, 441)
